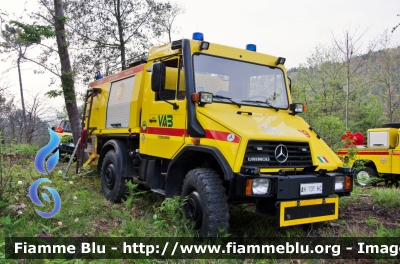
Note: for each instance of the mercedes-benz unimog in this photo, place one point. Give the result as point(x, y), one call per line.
point(215, 124)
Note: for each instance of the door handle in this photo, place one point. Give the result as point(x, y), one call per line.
point(152, 120)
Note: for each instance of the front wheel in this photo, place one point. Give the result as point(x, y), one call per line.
point(112, 184)
point(363, 177)
point(207, 204)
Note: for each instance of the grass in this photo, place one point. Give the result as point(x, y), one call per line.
point(371, 221)
point(388, 197)
point(86, 213)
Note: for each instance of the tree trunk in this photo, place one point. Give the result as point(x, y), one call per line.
point(67, 75)
point(117, 6)
point(347, 95)
point(21, 90)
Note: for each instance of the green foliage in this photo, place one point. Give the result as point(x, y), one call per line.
point(330, 129)
point(63, 20)
point(8, 224)
point(366, 112)
point(170, 213)
point(66, 139)
point(371, 221)
point(25, 150)
point(13, 176)
point(33, 33)
point(67, 85)
point(383, 232)
point(388, 197)
point(133, 195)
point(116, 31)
point(2, 247)
point(54, 93)
point(321, 84)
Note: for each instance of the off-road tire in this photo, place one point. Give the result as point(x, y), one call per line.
point(207, 203)
point(113, 186)
point(370, 172)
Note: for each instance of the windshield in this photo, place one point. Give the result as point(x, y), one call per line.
point(242, 82)
point(66, 125)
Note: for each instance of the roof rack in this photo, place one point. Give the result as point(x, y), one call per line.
point(130, 63)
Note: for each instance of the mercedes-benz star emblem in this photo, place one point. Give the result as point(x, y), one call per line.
point(281, 153)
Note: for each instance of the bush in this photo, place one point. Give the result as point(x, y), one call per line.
point(25, 150)
point(170, 214)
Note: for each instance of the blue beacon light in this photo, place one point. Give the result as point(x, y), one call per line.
point(251, 47)
point(198, 36)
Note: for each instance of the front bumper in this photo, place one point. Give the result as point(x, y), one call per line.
point(287, 199)
point(289, 187)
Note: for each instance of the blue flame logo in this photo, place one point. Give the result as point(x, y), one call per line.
point(51, 162)
point(35, 199)
point(45, 151)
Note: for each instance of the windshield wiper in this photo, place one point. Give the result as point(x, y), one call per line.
point(261, 102)
point(227, 98)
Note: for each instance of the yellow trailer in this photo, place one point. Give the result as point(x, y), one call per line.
point(379, 158)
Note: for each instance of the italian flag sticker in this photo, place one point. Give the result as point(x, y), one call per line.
point(322, 159)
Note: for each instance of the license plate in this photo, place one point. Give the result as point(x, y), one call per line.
point(311, 188)
point(71, 145)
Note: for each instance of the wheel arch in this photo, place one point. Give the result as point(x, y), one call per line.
point(191, 157)
point(120, 148)
point(365, 163)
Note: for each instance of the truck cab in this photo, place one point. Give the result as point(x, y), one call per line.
point(215, 124)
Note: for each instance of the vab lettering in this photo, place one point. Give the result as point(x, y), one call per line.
point(165, 120)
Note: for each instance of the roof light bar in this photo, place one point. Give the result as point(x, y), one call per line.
point(198, 36)
point(251, 47)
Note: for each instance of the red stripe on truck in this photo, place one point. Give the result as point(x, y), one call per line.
point(366, 153)
point(179, 132)
point(120, 75)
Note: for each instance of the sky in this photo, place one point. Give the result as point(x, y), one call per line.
point(286, 28)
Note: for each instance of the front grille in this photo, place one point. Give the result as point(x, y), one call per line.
point(262, 154)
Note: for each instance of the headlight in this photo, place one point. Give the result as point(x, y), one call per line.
point(339, 183)
point(206, 98)
point(261, 186)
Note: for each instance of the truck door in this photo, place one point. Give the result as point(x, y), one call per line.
point(166, 126)
point(396, 156)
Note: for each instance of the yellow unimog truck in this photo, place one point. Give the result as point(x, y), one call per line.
point(215, 124)
point(379, 159)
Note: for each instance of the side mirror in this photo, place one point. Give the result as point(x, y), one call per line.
point(158, 77)
point(290, 84)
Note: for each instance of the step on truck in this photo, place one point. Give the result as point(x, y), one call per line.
point(215, 124)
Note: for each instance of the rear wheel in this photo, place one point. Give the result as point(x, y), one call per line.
point(113, 186)
point(207, 204)
point(363, 177)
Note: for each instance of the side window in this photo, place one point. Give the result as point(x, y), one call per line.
point(174, 81)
